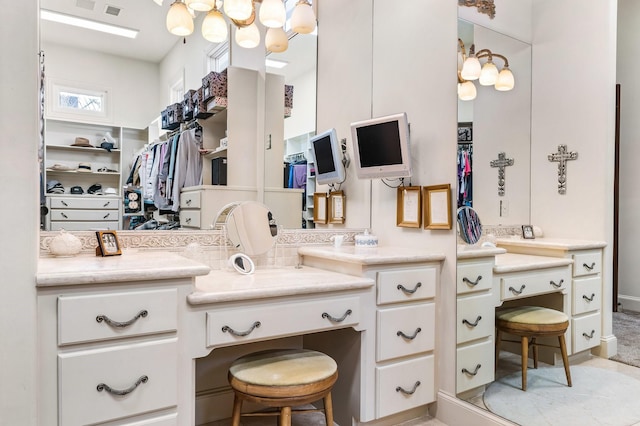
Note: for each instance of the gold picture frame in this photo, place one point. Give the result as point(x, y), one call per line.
point(409, 207)
point(320, 207)
point(437, 206)
point(336, 207)
point(108, 244)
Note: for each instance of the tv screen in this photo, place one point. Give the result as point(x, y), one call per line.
point(327, 155)
point(383, 144)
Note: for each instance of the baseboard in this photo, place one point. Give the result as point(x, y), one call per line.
point(630, 303)
point(456, 412)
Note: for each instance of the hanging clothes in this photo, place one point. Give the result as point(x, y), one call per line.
point(465, 175)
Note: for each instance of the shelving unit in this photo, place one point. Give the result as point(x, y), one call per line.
point(300, 144)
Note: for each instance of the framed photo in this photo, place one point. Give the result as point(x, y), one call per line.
point(409, 208)
point(336, 207)
point(320, 207)
point(527, 232)
point(465, 132)
point(108, 244)
point(437, 206)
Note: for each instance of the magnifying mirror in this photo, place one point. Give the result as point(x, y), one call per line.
point(242, 264)
point(469, 226)
point(250, 226)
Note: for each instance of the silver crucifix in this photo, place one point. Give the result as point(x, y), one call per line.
point(501, 163)
point(561, 157)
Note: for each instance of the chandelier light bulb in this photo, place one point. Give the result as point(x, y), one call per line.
point(276, 40)
point(505, 80)
point(471, 68)
point(303, 20)
point(467, 91)
point(214, 27)
point(248, 37)
point(239, 10)
point(201, 5)
point(489, 74)
point(272, 13)
point(179, 21)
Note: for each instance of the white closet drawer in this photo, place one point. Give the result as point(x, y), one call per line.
point(474, 276)
point(168, 420)
point(85, 226)
point(405, 331)
point(587, 263)
point(475, 365)
point(525, 285)
point(404, 385)
point(587, 295)
point(233, 326)
point(81, 215)
point(407, 285)
point(475, 317)
point(120, 368)
point(191, 200)
point(138, 313)
point(586, 332)
point(97, 202)
point(190, 218)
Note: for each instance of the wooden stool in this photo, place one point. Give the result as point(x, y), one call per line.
point(283, 378)
point(531, 322)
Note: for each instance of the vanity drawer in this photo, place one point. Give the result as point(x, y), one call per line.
point(120, 367)
point(83, 215)
point(168, 420)
point(405, 331)
point(475, 317)
point(587, 295)
point(529, 284)
point(191, 200)
point(404, 385)
point(407, 285)
point(190, 218)
point(240, 325)
point(96, 203)
point(586, 332)
point(78, 316)
point(475, 365)
point(474, 276)
point(587, 263)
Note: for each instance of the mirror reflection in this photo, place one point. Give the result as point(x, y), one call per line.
point(250, 227)
point(469, 226)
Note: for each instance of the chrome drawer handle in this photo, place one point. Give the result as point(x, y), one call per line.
point(589, 299)
point(407, 291)
point(104, 387)
point(334, 319)
point(590, 335)
point(188, 202)
point(415, 334)
point(63, 203)
point(472, 283)
point(517, 292)
point(188, 220)
point(227, 329)
point(64, 215)
point(143, 313)
point(410, 392)
point(472, 324)
point(106, 204)
point(106, 215)
point(553, 283)
point(589, 268)
point(474, 372)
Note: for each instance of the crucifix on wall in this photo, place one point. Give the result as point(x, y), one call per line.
point(561, 157)
point(501, 163)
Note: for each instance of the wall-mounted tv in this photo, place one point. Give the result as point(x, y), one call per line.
point(327, 156)
point(381, 147)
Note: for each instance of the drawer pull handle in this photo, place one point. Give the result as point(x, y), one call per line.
point(188, 202)
point(472, 324)
point(553, 283)
point(589, 299)
point(334, 319)
point(408, 392)
point(104, 387)
point(143, 313)
point(106, 215)
point(472, 283)
point(589, 268)
point(415, 334)
point(590, 335)
point(64, 215)
point(474, 372)
point(188, 220)
point(63, 203)
point(406, 290)
point(106, 204)
point(517, 292)
point(227, 329)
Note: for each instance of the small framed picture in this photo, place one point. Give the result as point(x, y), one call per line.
point(437, 206)
point(108, 244)
point(409, 208)
point(320, 207)
point(336, 207)
point(527, 232)
point(465, 132)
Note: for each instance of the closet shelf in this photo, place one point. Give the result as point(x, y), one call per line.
point(215, 153)
point(64, 172)
point(96, 150)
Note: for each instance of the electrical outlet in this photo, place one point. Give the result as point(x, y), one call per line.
point(504, 208)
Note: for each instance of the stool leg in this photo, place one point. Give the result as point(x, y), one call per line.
point(328, 409)
point(498, 341)
point(237, 406)
point(285, 416)
point(535, 352)
point(525, 358)
point(565, 359)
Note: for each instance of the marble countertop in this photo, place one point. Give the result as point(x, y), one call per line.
point(137, 266)
point(472, 252)
point(372, 255)
point(512, 262)
point(227, 286)
point(551, 243)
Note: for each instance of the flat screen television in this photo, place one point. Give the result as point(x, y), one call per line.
point(381, 147)
point(327, 156)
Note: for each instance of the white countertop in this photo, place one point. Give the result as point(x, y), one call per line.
point(137, 266)
point(225, 286)
point(472, 252)
point(511, 262)
point(372, 255)
point(551, 243)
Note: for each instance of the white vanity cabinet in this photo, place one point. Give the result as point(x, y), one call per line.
point(83, 213)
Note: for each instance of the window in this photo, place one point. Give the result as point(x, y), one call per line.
point(83, 103)
point(176, 92)
point(219, 57)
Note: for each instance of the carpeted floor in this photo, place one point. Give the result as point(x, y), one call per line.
point(626, 328)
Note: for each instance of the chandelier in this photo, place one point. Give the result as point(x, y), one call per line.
point(487, 74)
point(484, 6)
point(242, 13)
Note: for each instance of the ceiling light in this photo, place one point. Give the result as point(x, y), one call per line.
point(303, 20)
point(52, 16)
point(214, 27)
point(488, 74)
point(201, 5)
point(248, 37)
point(179, 21)
point(276, 40)
point(272, 13)
point(239, 10)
